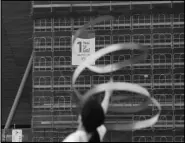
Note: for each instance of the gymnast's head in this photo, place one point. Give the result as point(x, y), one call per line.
point(92, 115)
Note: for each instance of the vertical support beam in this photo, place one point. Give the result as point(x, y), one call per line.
point(16, 101)
point(172, 15)
point(71, 20)
point(110, 5)
point(90, 6)
point(34, 43)
point(51, 6)
point(31, 11)
point(111, 39)
point(131, 17)
point(91, 27)
point(52, 70)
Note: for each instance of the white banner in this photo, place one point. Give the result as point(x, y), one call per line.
point(83, 47)
point(16, 135)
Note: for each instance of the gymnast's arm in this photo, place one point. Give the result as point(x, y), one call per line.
point(106, 100)
point(105, 104)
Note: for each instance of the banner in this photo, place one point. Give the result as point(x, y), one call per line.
point(16, 135)
point(9, 135)
point(84, 46)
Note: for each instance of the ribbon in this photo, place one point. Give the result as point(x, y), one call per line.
point(122, 86)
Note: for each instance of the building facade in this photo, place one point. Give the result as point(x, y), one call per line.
point(156, 24)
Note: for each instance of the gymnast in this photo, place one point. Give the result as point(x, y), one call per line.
point(91, 121)
point(91, 126)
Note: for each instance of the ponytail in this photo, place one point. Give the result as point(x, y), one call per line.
point(92, 116)
point(95, 137)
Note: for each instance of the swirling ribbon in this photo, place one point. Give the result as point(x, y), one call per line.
point(122, 86)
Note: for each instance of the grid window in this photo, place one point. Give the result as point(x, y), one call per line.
point(60, 61)
point(162, 79)
point(163, 121)
point(141, 21)
point(162, 40)
point(122, 22)
point(62, 103)
point(56, 42)
point(79, 22)
point(45, 81)
point(84, 20)
point(43, 63)
point(61, 80)
point(179, 120)
point(37, 22)
point(162, 58)
point(104, 25)
point(40, 139)
point(76, 22)
point(178, 77)
point(142, 39)
point(100, 79)
point(164, 98)
point(115, 24)
point(122, 78)
point(62, 83)
point(42, 44)
point(178, 58)
point(83, 80)
point(105, 60)
point(62, 43)
point(121, 39)
point(179, 139)
point(163, 139)
point(121, 58)
point(142, 139)
point(140, 78)
point(62, 24)
point(124, 57)
point(42, 81)
point(178, 40)
point(47, 100)
point(162, 21)
point(178, 20)
point(179, 98)
point(179, 101)
point(57, 22)
point(149, 59)
point(43, 25)
point(102, 41)
point(39, 100)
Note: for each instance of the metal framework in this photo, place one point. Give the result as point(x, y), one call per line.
point(52, 102)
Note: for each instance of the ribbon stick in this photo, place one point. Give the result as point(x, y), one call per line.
point(122, 86)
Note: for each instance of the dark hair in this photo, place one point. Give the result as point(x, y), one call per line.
point(92, 117)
